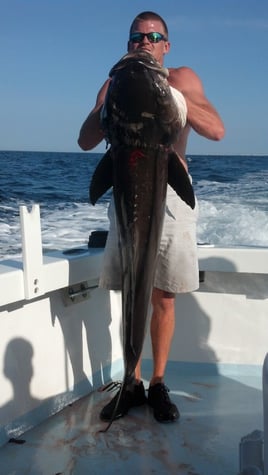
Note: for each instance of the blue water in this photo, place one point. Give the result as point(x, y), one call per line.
point(232, 192)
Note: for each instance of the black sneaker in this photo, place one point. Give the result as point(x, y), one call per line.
point(158, 399)
point(132, 398)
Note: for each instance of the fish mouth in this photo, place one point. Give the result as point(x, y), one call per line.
point(142, 56)
point(142, 48)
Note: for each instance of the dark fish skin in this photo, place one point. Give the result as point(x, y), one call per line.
point(141, 117)
point(140, 181)
point(140, 121)
point(137, 115)
point(103, 178)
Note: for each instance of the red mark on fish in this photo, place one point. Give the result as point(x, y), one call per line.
point(134, 156)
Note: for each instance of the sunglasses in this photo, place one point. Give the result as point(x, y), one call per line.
point(153, 37)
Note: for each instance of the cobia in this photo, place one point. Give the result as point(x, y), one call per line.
point(140, 120)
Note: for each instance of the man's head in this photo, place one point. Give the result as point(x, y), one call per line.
point(149, 32)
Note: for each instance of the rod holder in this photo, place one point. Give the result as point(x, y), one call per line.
point(32, 255)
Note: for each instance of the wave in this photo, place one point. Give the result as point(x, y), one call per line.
point(232, 195)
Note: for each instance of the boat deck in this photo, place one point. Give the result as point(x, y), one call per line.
point(216, 411)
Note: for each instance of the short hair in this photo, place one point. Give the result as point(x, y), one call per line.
point(149, 16)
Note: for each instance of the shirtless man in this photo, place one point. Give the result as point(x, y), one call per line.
point(177, 267)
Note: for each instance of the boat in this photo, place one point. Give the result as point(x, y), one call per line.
point(61, 346)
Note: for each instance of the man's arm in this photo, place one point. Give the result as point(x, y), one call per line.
point(91, 133)
point(202, 116)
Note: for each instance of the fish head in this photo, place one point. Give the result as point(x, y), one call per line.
point(139, 109)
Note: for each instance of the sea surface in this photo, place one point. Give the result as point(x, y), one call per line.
point(232, 192)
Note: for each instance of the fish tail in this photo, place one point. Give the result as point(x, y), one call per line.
point(125, 383)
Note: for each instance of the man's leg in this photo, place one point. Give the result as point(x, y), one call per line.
point(162, 331)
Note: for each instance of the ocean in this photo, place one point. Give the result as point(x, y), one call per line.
point(232, 192)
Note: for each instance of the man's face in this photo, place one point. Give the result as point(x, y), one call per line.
point(158, 49)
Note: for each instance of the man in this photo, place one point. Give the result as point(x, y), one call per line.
point(177, 266)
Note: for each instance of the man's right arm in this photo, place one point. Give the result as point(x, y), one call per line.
point(91, 133)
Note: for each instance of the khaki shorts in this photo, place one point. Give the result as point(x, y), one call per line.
point(177, 263)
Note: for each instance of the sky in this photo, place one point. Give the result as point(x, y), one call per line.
point(56, 54)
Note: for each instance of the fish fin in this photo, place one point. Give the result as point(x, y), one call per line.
point(102, 179)
point(128, 380)
point(179, 180)
point(120, 395)
point(111, 386)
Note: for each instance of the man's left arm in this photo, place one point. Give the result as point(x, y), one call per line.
point(202, 116)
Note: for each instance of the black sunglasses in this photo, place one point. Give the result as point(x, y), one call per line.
point(153, 37)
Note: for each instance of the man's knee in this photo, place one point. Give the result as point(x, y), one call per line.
point(162, 299)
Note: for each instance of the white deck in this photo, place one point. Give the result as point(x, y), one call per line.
point(60, 340)
point(216, 411)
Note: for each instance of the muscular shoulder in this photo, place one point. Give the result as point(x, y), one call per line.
point(185, 79)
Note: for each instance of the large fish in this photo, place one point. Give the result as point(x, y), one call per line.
point(141, 122)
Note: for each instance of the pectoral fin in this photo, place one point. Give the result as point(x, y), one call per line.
point(179, 180)
point(102, 179)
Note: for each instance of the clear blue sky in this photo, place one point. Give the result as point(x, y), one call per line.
point(55, 55)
